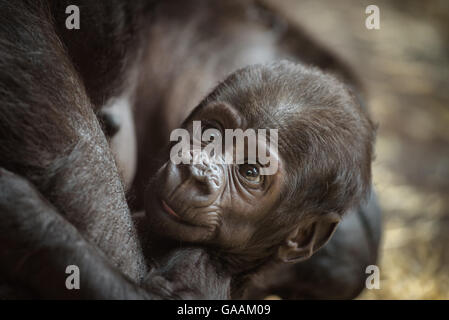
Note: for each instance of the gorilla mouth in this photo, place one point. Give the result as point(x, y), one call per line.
point(169, 210)
point(172, 213)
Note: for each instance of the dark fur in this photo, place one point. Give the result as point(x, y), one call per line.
point(37, 244)
point(50, 135)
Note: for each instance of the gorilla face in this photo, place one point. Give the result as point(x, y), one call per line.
point(323, 157)
point(213, 201)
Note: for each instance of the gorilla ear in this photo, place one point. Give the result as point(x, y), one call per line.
point(305, 240)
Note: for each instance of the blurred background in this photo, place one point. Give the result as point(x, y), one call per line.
point(404, 68)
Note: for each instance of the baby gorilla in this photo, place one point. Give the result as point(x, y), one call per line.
point(247, 220)
point(324, 168)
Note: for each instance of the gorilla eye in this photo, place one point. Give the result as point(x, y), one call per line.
point(250, 172)
point(215, 133)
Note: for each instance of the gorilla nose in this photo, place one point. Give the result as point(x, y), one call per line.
point(201, 181)
point(209, 175)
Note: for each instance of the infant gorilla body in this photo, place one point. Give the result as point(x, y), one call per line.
point(252, 220)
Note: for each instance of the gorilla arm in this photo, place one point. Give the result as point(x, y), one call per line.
point(37, 244)
point(49, 134)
